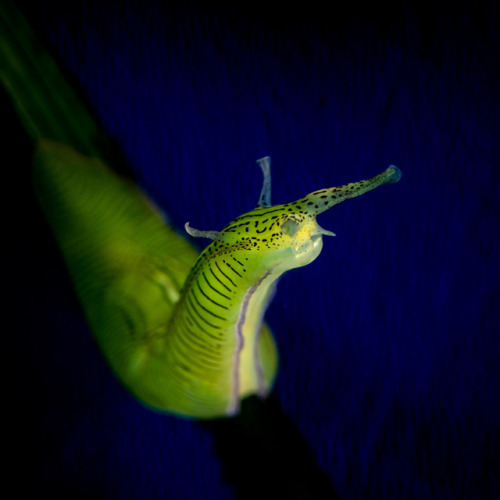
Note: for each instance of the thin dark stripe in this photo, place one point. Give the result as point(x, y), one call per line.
point(191, 317)
point(182, 375)
point(187, 362)
point(189, 321)
point(191, 335)
point(236, 260)
point(225, 275)
point(199, 354)
point(214, 289)
point(128, 320)
point(204, 308)
point(232, 269)
point(207, 297)
point(200, 316)
point(174, 349)
point(213, 274)
point(134, 326)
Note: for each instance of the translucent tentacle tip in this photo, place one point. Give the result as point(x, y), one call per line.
point(196, 233)
point(393, 174)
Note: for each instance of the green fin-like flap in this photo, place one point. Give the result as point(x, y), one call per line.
point(127, 264)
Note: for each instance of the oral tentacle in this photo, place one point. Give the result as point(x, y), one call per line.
point(196, 233)
point(320, 231)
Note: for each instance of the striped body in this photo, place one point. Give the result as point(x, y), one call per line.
point(185, 334)
point(218, 348)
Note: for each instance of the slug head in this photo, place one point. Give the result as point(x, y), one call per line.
point(287, 236)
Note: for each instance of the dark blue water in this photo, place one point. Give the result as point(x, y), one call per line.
point(389, 341)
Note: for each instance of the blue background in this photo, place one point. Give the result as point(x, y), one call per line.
point(389, 341)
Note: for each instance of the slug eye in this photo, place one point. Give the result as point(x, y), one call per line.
point(290, 227)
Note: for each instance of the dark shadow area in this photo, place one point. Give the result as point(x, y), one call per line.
point(50, 98)
point(266, 456)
